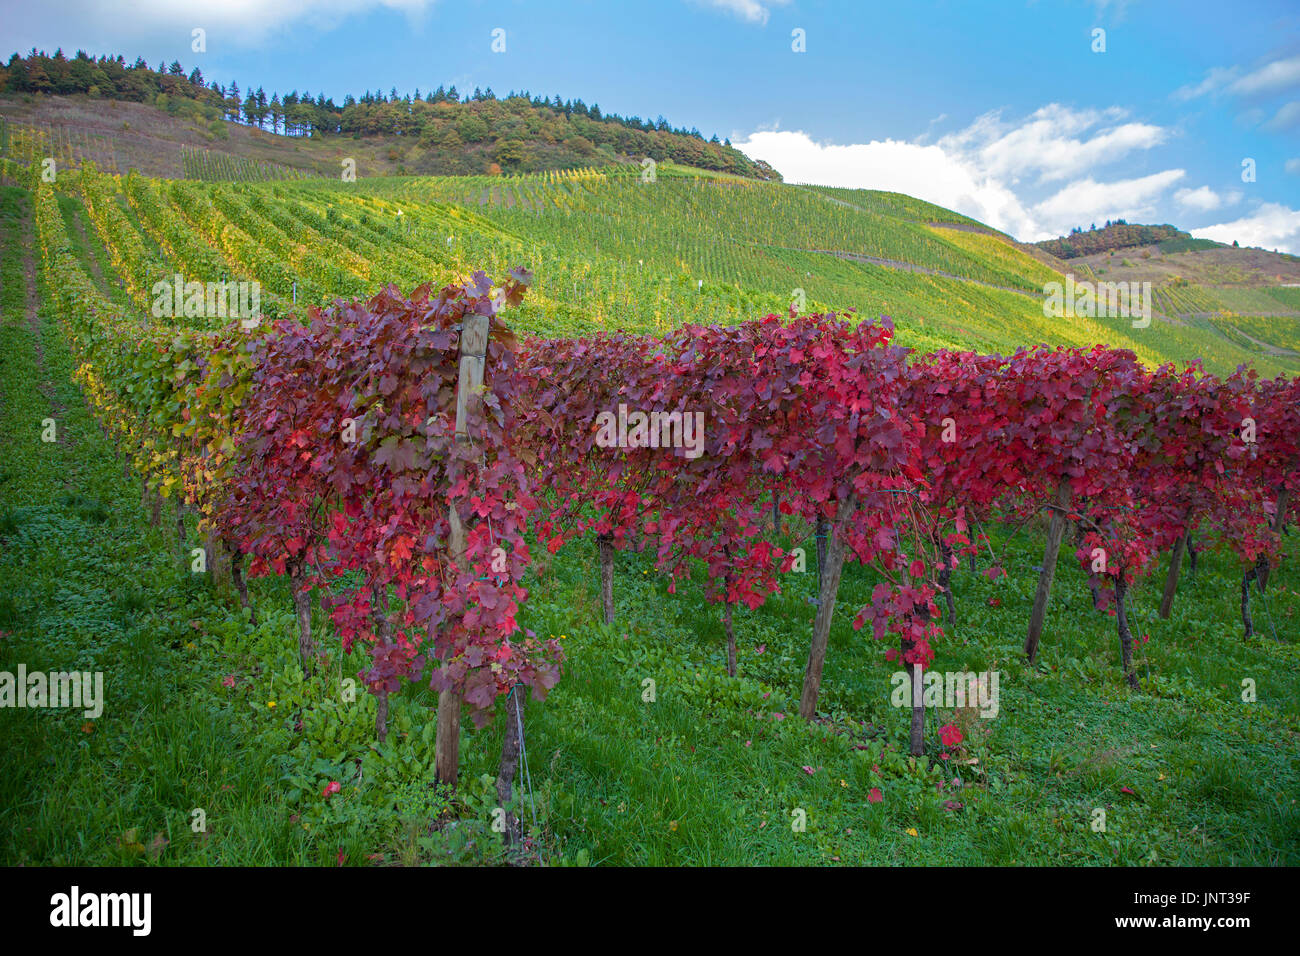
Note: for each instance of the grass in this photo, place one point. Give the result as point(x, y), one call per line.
point(90, 586)
point(1211, 778)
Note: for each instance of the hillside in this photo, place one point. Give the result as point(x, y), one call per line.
point(696, 780)
point(706, 777)
point(611, 251)
point(122, 135)
point(1114, 235)
point(442, 132)
point(425, 481)
point(1249, 295)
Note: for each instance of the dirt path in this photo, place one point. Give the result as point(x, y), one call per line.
point(92, 259)
point(1265, 347)
point(31, 317)
point(1280, 314)
point(839, 202)
point(966, 227)
point(904, 266)
point(911, 267)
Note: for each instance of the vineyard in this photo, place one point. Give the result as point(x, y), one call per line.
point(1279, 332)
point(707, 462)
point(66, 147)
point(210, 167)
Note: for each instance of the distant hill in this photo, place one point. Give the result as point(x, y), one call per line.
point(442, 132)
point(1121, 235)
point(1247, 296)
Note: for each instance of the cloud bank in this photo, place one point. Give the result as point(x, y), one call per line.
point(1034, 178)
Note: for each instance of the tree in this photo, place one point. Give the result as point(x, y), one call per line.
point(510, 153)
point(233, 103)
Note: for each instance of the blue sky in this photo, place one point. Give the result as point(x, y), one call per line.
point(1000, 110)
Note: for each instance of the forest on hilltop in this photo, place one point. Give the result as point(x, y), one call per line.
point(1114, 235)
point(457, 133)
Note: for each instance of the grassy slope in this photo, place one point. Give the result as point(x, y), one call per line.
point(1212, 779)
point(89, 586)
point(751, 245)
point(755, 261)
point(706, 774)
point(1246, 296)
point(119, 135)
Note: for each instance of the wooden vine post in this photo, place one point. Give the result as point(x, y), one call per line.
point(473, 358)
point(605, 549)
point(1171, 580)
point(510, 748)
point(830, 556)
point(1055, 531)
point(1279, 522)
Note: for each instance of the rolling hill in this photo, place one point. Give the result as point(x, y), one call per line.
point(614, 251)
point(441, 132)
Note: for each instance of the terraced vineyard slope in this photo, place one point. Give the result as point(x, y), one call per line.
point(617, 249)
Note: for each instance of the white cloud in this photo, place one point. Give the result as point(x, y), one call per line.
point(1293, 166)
point(977, 171)
point(1271, 226)
point(1286, 117)
point(931, 173)
point(1104, 7)
point(230, 22)
point(1091, 200)
point(1048, 142)
point(753, 11)
point(924, 137)
point(1273, 77)
point(1202, 198)
point(1270, 78)
point(1215, 79)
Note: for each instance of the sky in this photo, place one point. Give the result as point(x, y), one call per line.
point(1019, 114)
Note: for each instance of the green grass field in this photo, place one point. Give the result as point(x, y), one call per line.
point(207, 712)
